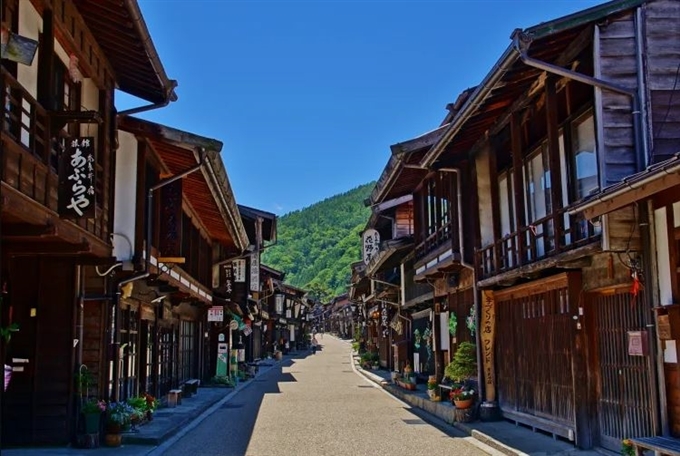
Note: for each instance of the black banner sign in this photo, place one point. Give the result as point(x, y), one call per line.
point(171, 214)
point(76, 178)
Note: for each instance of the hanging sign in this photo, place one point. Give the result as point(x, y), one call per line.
point(227, 278)
point(239, 270)
point(216, 313)
point(487, 335)
point(255, 271)
point(76, 179)
point(371, 244)
point(170, 242)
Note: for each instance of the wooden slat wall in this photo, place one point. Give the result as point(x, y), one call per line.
point(617, 63)
point(672, 376)
point(624, 403)
point(662, 46)
point(534, 355)
point(460, 303)
point(404, 220)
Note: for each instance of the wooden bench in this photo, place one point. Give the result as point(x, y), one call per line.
point(190, 387)
point(664, 445)
point(174, 397)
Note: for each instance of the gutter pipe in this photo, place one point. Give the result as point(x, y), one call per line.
point(146, 271)
point(521, 42)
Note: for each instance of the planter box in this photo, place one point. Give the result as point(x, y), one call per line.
point(406, 385)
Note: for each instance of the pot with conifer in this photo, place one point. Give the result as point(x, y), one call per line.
point(462, 369)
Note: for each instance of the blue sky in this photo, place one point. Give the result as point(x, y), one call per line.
point(307, 96)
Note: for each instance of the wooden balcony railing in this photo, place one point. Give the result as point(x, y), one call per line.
point(30, 153)
point(541, 240)
point(26, 121)
point(445, 233)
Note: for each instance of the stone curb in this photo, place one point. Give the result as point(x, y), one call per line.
point(437, 410)
point(173, 435)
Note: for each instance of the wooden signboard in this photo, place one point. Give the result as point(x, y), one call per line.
point(487, 334)
point(170, 244)
point(77, 179)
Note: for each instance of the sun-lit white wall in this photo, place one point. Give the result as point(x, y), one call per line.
point(125, 203)
point(663, 263)
point(485, 198)
point(30, 26)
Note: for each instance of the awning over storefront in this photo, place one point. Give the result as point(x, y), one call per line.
point(656, 178)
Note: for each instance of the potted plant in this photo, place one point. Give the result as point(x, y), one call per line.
point(92, 410)
point(463, 396)
point(151, 405)
point(464, 364)
point(118, 417)
point(432, 388)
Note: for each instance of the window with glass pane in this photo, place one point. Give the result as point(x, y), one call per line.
point(584, 155)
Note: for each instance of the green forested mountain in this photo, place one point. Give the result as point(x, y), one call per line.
point(316, 245)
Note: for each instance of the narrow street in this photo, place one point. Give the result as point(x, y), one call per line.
point(317, 405)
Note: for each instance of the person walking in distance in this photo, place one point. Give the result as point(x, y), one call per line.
point(315, 343)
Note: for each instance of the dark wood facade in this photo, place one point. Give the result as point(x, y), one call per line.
point(49, 257)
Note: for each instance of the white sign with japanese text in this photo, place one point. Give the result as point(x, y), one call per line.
point(239, 270)
point(371, 244)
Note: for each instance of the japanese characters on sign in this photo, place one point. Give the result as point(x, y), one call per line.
point(77, 178)
point(227, 279)
point(371, 244)
point(255, 271)
point(487, 335)
point(171, 228)
point(384, 319)
point(278, 301)
point(239, 270)
point(216, 313)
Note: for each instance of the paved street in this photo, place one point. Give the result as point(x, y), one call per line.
point(317, 405)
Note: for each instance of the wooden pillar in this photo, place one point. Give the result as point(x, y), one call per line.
point(520, 215)
point(554, 159)
point(585, 405)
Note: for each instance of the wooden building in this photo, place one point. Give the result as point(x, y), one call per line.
point(572, 107)
point(58, 134)
point(177, 179)
point(655, 192)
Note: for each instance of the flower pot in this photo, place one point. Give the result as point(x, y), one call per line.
point(464, 403)
point(113, 440)
point(92, 420)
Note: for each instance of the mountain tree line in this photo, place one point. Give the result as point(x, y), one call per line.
point(317, 244)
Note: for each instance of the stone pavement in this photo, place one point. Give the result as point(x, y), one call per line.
point(170, 424)
point(503, 436)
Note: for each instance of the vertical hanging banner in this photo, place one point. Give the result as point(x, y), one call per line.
point(170, 244)
point(76, 178)
point(371, 244)
point(487, 335)
point(255, 271)
point(226, 279)
point(239, 269)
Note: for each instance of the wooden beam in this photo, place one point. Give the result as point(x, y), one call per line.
point(664, 181)
point(23, 230)
point(47, 248)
